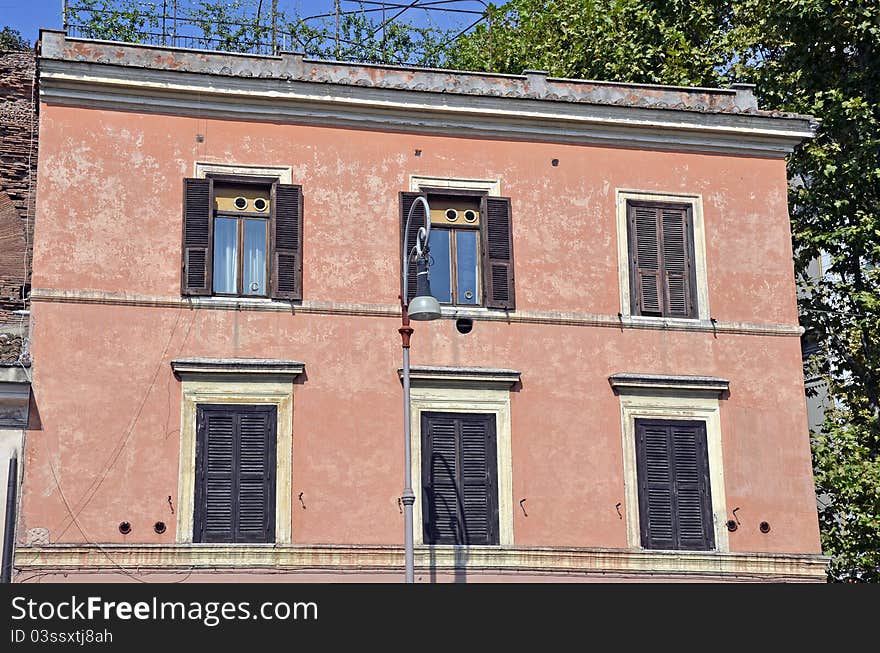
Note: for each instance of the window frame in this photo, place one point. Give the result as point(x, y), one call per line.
point(699, 277)
point(492, 508)
point(453, 261)
point(678, 402)
point(267, 183)
point(704, 483)
point(201, 469)
point(631, 205)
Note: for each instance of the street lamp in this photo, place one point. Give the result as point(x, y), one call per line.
point(423, 307)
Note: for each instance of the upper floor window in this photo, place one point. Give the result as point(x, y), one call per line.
point(242, 237)
point(662, 270)
point(471, 247)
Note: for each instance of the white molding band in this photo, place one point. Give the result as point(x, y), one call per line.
point(392, 310)
point(465, 376)
point(352, 558)
point(491, 187)
point(284, 174)
point(695, 201)
point(654, 383)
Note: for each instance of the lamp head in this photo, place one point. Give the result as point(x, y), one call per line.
point(424, 306)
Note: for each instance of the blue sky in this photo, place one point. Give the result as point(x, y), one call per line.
point(28, 16)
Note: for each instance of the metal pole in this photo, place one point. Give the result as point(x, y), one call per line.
point(64, 16)
point(336, 7)
point(9, 533)
point(408, 497)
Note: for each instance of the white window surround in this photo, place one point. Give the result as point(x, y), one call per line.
point(236, 381)
point(464, 390)
point(671, 398)
point(284, 174)
point(695, 201)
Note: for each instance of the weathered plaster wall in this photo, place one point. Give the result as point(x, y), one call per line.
point(109, 407)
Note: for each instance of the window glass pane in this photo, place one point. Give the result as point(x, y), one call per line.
point(441, 280)
point(254, 257)
point(466, 267)
point(225, 255)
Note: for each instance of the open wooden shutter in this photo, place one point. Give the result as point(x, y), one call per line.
point(677, 262)
point(235, 484)
point(646, 261)
point(675, 504)
point(459, 479)
point(418, 220)
point(287, 215)
point(497, 239)
point(197, 232)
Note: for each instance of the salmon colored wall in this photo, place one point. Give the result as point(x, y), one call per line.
point(109, 406)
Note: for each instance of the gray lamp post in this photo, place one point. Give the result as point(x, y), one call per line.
point(423, 306)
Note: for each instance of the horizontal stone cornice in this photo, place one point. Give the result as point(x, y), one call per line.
point(757, 566)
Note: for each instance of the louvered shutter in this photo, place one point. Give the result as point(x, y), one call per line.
point(676, 262)
point(287, 215)
point(418, 220)
point(459, 479)
point(646, 261)
point(235, 463)
point(662, 276)
point(675, 503)
point(197, 231)
point(497, 228)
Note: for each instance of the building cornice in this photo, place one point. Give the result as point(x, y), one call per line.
point(353, 558)
point(706, 385)
point(196, 368)
point(463, 376)
point(290, 89)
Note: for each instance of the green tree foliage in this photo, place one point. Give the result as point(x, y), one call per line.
point(822, 57)
point(818, 57)
point(664, 41)
point(11, 39)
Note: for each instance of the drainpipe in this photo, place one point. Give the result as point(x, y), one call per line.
point(9, 539)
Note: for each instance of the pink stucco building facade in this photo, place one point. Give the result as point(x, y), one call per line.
point(572, 359)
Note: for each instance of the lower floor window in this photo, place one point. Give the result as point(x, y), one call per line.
point(235, 473)
point(459, 478)
point(675, 503)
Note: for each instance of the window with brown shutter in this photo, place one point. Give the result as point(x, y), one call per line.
point(675, 502)
point(459, 478)
point(235, 474)
point(471, 247)
point(661, 255)
point(242, 237)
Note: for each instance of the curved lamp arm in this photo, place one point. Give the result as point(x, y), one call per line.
point(421, 247)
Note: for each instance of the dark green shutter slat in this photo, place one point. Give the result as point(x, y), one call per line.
point(459, 479)
point(197, 231)
point(235, 462)
point(675, 505)
point(406, 201)
point(498, 266)
point(287, 218)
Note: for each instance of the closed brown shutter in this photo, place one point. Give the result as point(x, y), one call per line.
point(498, 253)
point(662, 276)
point(197, 232)
point(459, 479)
point(235, 474)
point(287, 215)
point(418, 220)
point(675, 503)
